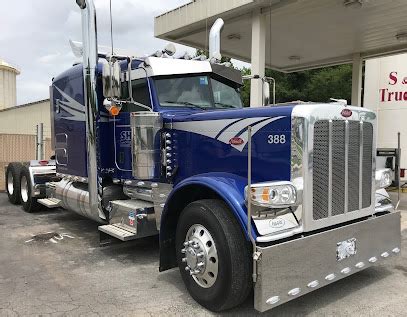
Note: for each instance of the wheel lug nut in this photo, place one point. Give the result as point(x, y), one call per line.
point(187, 268)
point(200, 254)
point(200, 264)
point(183, 250)
point(186, 243)
point(184, 259)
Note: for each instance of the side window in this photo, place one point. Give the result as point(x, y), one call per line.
point(141, 95)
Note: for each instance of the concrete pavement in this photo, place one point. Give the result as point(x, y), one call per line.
point(68, 274)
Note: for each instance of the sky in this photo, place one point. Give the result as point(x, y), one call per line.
point(34, 36)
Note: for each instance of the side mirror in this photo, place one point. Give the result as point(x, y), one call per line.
point(111, 79)
point(266, 93)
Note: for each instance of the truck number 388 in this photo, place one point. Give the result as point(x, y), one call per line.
point(276, 139)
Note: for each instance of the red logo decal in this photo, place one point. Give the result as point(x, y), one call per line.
point(236, 141)
point(346, 113)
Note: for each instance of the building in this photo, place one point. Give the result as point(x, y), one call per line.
point(8, 90)
point(23, 119)
point(292, 35)
point(18, 123)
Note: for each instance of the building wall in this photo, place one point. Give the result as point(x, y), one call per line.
point(23, 119)
point(386, 94)
point(18, 148)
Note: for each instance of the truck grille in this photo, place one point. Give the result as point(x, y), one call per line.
point(339, 144)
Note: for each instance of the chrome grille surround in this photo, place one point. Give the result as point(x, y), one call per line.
point(338, 195)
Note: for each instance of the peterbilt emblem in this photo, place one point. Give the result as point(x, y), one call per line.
point(277, 223)
point(346, 113)
point(236, 141)
point(345, 249)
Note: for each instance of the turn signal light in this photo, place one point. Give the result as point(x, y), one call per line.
point(273, 194)
point(114, 111)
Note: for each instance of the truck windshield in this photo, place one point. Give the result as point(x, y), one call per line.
point(201, 92)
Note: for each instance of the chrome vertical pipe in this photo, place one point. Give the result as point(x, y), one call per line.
point(249, 200)
point(90, 61)
point(214, 38)
point(398, 169)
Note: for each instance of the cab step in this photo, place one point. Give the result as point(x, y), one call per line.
point(120, 231)
point(50, 202)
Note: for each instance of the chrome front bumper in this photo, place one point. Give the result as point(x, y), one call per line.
point(294, 268)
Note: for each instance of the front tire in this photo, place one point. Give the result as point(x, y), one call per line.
point(13, 174)
point(28, 202)
point(213, 255)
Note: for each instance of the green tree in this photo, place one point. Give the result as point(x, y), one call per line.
point(318, 85)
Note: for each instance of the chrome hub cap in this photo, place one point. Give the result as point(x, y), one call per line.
point(24, 189)
point(200, 256)
point(10, 183)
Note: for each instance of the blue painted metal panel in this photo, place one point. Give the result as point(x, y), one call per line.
point(229, 187)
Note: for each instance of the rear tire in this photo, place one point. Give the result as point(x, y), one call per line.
point(13, 173)
point(218, 254)
point(28, 202)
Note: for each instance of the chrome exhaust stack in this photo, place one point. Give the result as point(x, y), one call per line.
point(90, 61)
point(214, 40)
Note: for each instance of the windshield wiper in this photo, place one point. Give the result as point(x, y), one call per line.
point(186, 103)
point(225, 105)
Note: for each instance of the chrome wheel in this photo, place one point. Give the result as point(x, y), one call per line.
point(24, 188)
point(10, 183)
point(200, 256)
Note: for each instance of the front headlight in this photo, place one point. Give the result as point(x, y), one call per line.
point(383, 178)
point(273, 194)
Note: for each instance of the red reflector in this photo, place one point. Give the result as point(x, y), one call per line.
point(346, 113)
point(43, 162)
point(236, 141)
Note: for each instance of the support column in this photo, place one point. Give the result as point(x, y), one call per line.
point(258, 57)
point(357, 80)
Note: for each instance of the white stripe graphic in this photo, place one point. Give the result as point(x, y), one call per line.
point(211, 128)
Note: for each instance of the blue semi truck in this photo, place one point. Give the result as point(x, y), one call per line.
point(279, 199)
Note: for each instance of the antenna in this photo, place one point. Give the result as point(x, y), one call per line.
point(111, 26)
point(111, 42)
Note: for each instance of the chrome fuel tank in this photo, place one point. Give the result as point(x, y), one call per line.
point(75, 197)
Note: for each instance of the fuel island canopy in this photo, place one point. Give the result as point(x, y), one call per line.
point(293, 35)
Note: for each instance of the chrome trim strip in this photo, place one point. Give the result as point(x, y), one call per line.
point(346, 165)
point(330, 169)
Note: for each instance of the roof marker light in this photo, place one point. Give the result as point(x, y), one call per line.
point(359, 265)
point(346, 270)
point(373, 259)
point(384, 254)
point(330, 277)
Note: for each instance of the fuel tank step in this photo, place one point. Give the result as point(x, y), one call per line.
point(120, 231)
point(129, 220)
point(50, 202)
